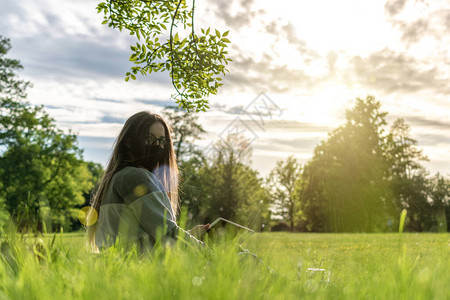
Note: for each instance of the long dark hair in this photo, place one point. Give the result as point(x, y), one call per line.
point(130, 150)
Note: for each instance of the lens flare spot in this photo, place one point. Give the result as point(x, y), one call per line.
point(85, 219)
point(140, 190)
point(197, 281)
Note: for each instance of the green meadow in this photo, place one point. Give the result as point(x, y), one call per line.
point(287, 266)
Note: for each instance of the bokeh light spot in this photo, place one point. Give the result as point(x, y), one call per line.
point(197, 281)
point(83, 216)
point(140, 190)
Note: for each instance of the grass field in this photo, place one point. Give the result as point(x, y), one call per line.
point(295, 266)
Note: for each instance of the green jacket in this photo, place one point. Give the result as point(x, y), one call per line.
point(134, 208)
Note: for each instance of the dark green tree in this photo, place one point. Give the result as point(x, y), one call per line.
point(224, 184)
point(362, 177)
point(407, 177)
point(345, 187)
point(402, 152)
point(230, 188)
point(439, 196)
point(167, 41)
point(282, 182)
point(253, 208)
point(96, 170)
point(191, 189)
point(311, 195)
point(41, 167)
point(186, 129)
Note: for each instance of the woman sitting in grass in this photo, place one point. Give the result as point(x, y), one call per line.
point(137, 197)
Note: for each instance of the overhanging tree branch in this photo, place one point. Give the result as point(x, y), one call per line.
point(195, 63)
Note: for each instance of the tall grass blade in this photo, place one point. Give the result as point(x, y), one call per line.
point(402, 221)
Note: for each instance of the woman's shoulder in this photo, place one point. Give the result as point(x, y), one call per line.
point(132, 181)
point(133, 172)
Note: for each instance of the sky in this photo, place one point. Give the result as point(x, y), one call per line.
point(297, 67)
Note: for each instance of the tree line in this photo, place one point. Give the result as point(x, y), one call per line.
point(358, 180)
point(43, 177)
point(361, 178)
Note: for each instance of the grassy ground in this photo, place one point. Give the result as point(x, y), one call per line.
point(316, 266)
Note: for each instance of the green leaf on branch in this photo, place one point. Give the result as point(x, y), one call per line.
point(189, 61)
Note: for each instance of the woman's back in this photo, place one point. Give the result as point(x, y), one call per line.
point(134, 206)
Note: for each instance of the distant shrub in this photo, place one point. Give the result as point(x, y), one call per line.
point(280, 226)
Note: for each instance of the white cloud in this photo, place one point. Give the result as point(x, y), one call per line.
point(303, 54)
